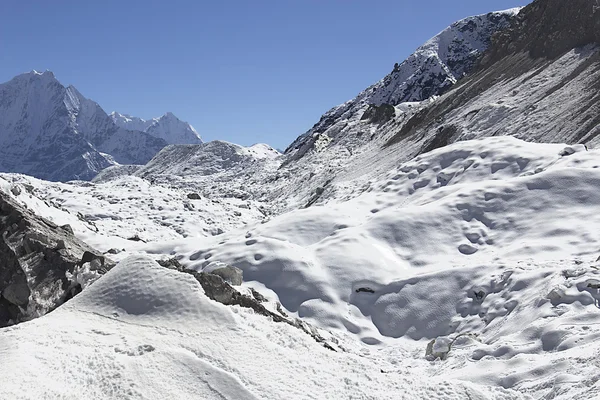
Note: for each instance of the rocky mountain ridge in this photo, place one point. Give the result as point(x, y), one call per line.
point(167, 127)
point(430, 71)
point(53, 132)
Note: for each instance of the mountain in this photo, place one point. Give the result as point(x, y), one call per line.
point(430, 71)
point(168, 127)
point(52, 132)
point(527, 85)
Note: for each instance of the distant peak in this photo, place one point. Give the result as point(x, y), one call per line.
point(47, 73)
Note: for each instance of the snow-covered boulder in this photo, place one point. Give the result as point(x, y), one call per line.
point(229, 273)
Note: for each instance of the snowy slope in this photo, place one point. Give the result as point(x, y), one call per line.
point(429, 71)
point(221, 172)
point(53, 132)
point(493, 239)
point(143, 332)
point(167, 127)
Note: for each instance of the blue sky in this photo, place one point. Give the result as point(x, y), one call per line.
point(244, 71)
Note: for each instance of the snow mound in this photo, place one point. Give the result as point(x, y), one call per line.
point(141, 291)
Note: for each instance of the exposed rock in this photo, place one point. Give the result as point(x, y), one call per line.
point(441, 139)
point(280, 309)
point(364, 290)
point(37, 263)
point(68, 229)
point(379, 114)
point(219, 290)
point(136, 238)
point(16, 190)
point(17, 294)
point(548, 28)
point(258, 296)
point(193, 196)
point(230, 274)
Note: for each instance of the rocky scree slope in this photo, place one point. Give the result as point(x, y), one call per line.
point(538, 81)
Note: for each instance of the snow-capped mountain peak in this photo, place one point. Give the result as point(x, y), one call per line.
point(430, 71)
point(53, 132)
point(167, 127)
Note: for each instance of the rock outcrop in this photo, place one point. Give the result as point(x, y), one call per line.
point(232, 275)
point(41, 263)
point(217, 289)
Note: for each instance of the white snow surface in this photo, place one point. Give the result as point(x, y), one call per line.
point(490, 244)
point(167, 127)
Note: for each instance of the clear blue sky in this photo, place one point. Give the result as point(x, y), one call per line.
point(245, 71)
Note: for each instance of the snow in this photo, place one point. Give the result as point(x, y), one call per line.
point(488, 245)
point(167, 127)
point(470, 271)
point(146, 332)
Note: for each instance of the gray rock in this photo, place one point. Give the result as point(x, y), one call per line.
point(17, 294)
point(258, 296)
point(16, 190)
point(68, 229)
point(231, 274)
point(37, 259)
point(218, 290)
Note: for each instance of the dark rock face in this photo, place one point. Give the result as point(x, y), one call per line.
point(548, 28)
point(36, 259)
point(379, 114)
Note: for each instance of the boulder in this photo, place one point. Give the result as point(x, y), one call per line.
point(38, 261)
point(230, 274)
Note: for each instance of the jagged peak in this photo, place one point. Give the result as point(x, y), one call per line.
point(47, 73)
